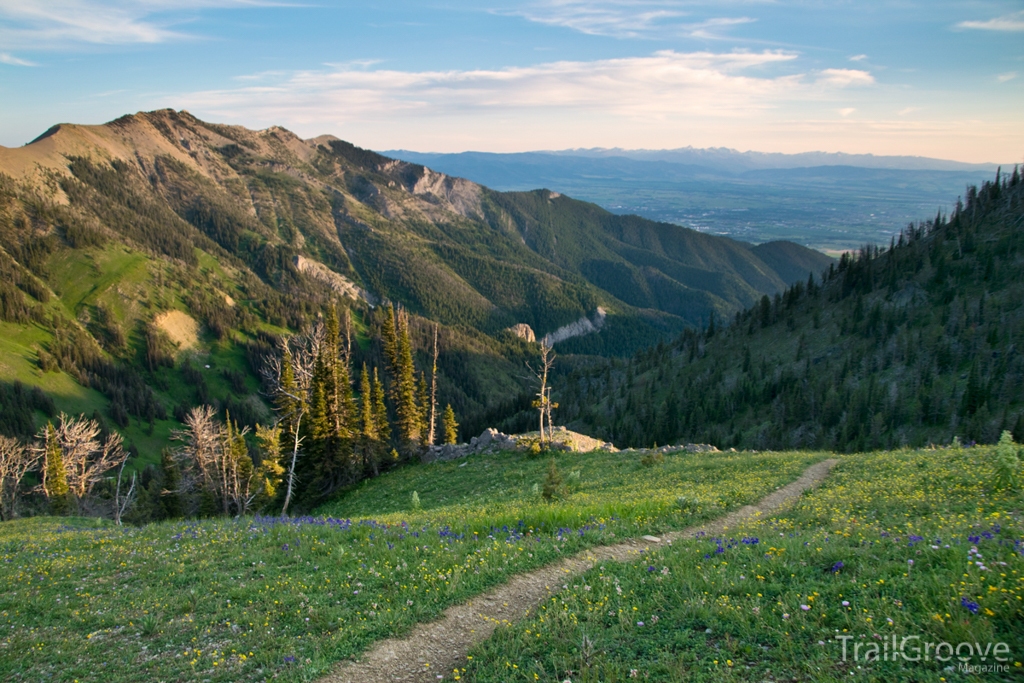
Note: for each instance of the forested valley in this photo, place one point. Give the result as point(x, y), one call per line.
point(912, 343)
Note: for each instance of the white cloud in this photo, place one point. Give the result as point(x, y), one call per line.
point(858, 58)
point(662, 96)
point(846, 77)
point(6, 58)
point(906, 111)
point(846, 111)
point(47, 24)
point(627, 18)
point(1007, 22)
point(664, 83)
point(1008, 76)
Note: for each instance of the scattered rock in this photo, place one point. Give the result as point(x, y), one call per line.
point(652, 539)
point(700, 448)
point(492, 441)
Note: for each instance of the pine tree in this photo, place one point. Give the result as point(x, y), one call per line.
point(368, 426)
point(170, 495)
point(55, 478)
point(271, 469)
point(406, 412)
point(380, 413)
point(389, 341)
point(552, 482)
point(451, 427)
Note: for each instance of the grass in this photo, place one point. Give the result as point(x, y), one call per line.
point(254, 598)
point(494, 490)
point(911, 544)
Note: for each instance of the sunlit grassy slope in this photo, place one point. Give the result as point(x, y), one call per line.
point(251, 599)
point(915, 544)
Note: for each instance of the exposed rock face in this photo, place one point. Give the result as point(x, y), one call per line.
point(582, 326)
point(339, 283)
point(523, 331)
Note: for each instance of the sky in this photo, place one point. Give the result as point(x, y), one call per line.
point(931, 78)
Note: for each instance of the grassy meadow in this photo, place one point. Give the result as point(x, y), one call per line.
point(256, 598)
point(906, 544)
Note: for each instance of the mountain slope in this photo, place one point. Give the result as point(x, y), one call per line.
point(156, 259)
point(908, 345)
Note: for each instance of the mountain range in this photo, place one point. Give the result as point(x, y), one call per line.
point(151, 262)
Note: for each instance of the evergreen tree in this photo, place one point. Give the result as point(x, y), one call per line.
point(380, 413)
point(389, 341)
point(552, 482)
point(170, 495)
point(407, 413)
point(369, 439)
point(271, 469)
point(55, 478)
point(451, 427)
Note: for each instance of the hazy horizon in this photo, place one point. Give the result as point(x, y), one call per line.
point(935, 79)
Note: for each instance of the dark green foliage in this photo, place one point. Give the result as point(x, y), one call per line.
point(170, 495)
point(18, 404)
point(553, 484)
point(116, 192)
point(900, 346)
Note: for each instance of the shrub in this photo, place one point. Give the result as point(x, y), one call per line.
point(1007, 463)
point(552, 482)
point(652, 459)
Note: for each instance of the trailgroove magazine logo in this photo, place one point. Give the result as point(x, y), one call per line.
point(972, 657)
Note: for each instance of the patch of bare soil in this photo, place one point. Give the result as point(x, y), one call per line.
point(439, 646)
point(182, 328)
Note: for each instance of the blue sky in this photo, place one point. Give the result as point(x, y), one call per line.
point(931, 77)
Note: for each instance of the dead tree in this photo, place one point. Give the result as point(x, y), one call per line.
point(547, 359)
point(290, 377)
point(120, 505)
point(85, 458)
point(15, 462)
point(433, 394)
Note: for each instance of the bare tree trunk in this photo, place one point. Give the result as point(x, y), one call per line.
point(547, 358)
point(119, 507)
point(433, 394)
point(291, 468)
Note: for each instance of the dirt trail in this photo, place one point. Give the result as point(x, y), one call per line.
point(435, 648)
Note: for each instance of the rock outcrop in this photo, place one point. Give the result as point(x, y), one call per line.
point(523, 331)
point(492, 441)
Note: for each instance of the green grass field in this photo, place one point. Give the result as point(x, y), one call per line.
point(247, 599)
point(910, 544)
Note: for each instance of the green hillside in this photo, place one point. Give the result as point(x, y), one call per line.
point(915, 343)
point(151, 264)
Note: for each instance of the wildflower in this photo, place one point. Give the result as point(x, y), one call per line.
point(785, 616)
point(639, 623)
point(969, 604)
point(846, 603)
point(836, 567)
point(805, 608)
